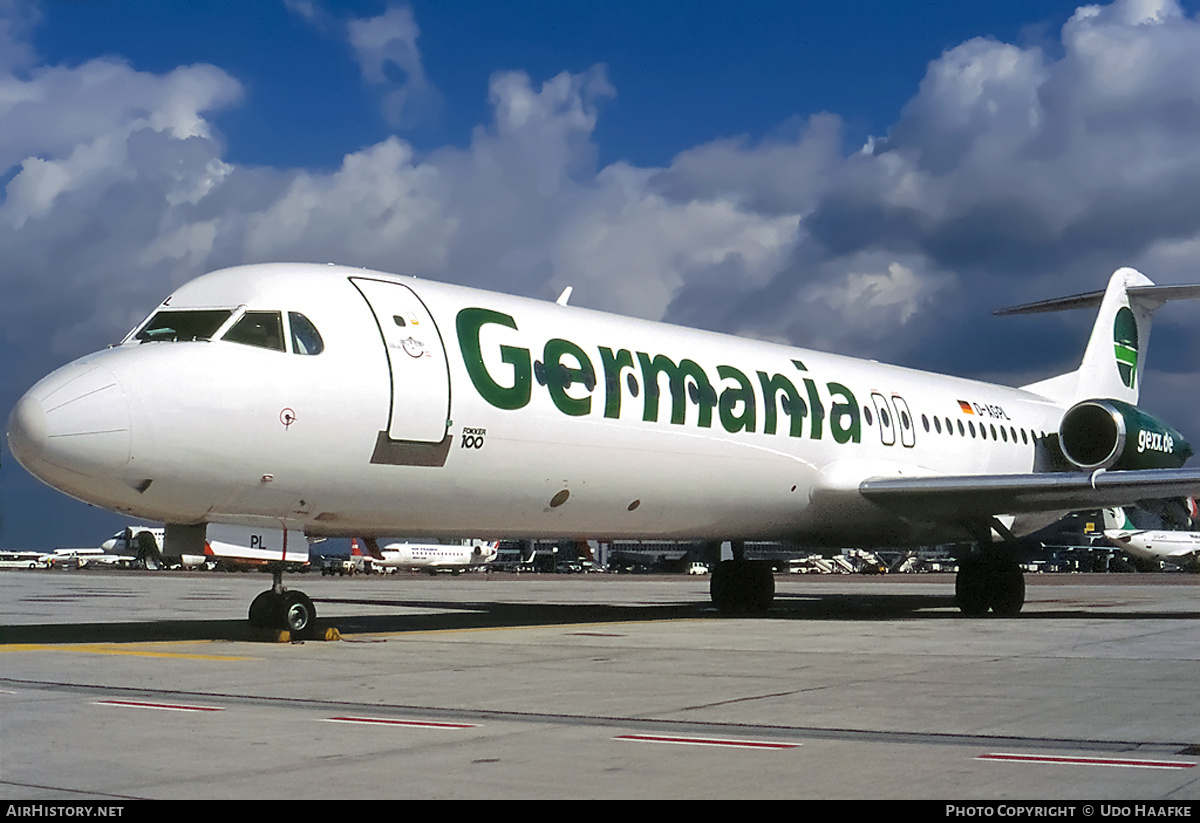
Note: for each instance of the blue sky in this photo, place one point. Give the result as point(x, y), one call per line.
point(870, 178)
point(685, 72)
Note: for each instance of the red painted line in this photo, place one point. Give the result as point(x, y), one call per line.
point(424, 724)
point(172, 707)
point(1090, 761)
point(706, 741)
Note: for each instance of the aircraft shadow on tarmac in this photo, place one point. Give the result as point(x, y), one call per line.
point(449, 615)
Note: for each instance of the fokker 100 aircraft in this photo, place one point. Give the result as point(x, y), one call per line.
point(473, 412)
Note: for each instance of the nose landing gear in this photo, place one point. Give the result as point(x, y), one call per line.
point(740, 586)
point(284, 609)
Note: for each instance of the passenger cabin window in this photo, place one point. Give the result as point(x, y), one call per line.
point(263, 329)
point(182, 326)
point(305, 337)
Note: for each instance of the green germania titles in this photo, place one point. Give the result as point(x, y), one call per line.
point(572, 375)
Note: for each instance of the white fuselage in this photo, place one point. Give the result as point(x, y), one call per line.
point(83, 557)
point(124, 542)
point(435, 556)
point(1176, 547)
point(439, 410)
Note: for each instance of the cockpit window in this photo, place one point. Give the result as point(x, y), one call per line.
point(179, 326)
point(263, 329)
point(305, 337)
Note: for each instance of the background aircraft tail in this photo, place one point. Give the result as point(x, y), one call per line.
point(1117, 519)
point(372, 546)
point(1115, 357)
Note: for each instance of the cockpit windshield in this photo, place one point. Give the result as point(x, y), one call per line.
point(181, 326)
point(263, 329)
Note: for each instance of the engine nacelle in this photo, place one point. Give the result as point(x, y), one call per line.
point(1110, 434)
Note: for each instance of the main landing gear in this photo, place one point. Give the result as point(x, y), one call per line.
point(989, 582)
point(284, 609)
point(740, 586)
point(991, 578)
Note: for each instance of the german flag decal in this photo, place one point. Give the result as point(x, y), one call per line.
point(966, 407)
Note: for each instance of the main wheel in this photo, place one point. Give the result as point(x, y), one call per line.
point(1008, 590)
point(971, 587)
point(989, 583)
point(299, 614)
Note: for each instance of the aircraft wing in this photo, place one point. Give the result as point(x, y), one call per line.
point(965, 497)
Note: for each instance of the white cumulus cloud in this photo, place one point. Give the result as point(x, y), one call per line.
point(1010, 175)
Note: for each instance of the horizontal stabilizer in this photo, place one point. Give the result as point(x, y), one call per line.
point(1152, 296)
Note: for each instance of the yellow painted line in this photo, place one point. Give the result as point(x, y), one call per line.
point(95, 648)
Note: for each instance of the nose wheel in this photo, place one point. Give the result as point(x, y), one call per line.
point(284, 609)
point(740, 585)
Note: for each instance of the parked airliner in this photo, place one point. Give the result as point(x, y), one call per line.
point(230, 547)
point(1179, 548)
point(341, 402)
point(430, 557)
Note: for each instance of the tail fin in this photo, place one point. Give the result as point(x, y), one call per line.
point(1117, 347)
point(1116, 352)
point(372, 548)
point(1117, 519)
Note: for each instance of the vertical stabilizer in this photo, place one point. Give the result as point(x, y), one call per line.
point(1116, 351)
point(1117, 520)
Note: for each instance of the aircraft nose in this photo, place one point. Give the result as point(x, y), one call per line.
point(77, 418)
point(27, 430)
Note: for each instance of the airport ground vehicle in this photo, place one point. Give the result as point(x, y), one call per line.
point(22, 560)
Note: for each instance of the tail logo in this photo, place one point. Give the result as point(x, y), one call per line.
point(1125, 341)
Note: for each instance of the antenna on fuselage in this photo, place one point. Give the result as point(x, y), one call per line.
point(565, 296)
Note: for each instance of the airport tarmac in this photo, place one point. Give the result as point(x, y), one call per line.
point(120, 685)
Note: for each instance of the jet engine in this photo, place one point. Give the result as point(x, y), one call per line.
point(1110, 434)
